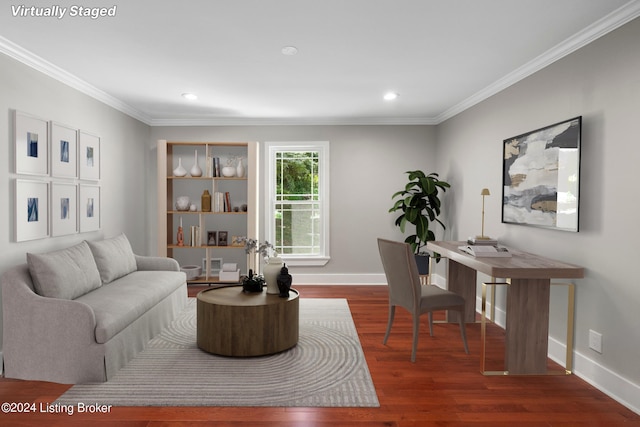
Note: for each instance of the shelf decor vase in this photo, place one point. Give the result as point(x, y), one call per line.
point(180, 171)
point(195, 169)
point(205, 202)
point(271, 271)
point(240, 169)
point(182, 203)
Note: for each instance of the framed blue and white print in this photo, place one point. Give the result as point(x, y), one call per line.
point(89, 156)
point(64, 209)
point(31, 210)
point(64, 151)
point(89, 208)
point(31, 144)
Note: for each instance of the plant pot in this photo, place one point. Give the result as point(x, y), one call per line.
point(423, 264)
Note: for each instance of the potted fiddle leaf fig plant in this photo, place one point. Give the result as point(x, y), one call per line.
point(419, 205)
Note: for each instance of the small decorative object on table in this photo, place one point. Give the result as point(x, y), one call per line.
point(252, 247)
point(270, 270)
point(284, 282)
point(252, 283)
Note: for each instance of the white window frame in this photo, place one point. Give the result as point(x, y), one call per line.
point(322, 147)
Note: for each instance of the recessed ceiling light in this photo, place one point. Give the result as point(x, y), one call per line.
point(289, 50)
point(390, 96)
point(190, 96)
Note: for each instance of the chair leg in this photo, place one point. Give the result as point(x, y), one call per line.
point(416, 330)
point(463, 330)
point(392, 312)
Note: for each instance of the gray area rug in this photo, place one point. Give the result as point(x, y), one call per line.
point(326, 368)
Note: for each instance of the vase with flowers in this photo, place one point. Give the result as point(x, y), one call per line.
point(272, 263)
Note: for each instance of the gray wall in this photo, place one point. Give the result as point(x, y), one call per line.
point(600, 82)
point(367, 167)
point(123, 184)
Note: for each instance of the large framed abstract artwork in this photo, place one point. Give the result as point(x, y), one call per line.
point(541, 177)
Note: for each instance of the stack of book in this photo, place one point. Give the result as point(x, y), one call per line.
point(221, 202)
point(195, 235)
point(213, 167)
point(485, 251)
point(481, 241)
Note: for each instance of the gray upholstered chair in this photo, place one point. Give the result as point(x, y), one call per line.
point(406, 291)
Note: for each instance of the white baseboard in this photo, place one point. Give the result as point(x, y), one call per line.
point(610, 383)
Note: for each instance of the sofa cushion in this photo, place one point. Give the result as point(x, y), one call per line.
point(120, 303)
point(65, 273)
point(114, 258)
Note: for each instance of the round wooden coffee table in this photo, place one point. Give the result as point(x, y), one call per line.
point(233, 323)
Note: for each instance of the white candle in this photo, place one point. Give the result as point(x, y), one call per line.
point(180, 221)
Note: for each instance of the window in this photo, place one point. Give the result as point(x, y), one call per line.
point(297, 197)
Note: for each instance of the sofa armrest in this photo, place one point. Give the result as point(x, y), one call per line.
point(42, 337)
point(149, 263)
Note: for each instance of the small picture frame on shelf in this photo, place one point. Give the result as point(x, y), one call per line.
point(223, 237)
point(237, 241)
point(212, 239)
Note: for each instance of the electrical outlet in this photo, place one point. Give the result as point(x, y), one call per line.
point(595, 341)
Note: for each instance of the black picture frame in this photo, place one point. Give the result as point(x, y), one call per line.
point(212, 239)
point(541, 177)
point(223, 238)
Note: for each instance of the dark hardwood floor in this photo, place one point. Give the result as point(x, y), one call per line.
point(443, 387)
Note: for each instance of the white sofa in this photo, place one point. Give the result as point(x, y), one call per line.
point(77, 315)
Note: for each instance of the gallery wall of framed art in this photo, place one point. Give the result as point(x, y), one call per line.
point(57, 182)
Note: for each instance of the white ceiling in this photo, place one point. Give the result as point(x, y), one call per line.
point(441, 56)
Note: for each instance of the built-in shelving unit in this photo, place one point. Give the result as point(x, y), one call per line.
point(235, 221)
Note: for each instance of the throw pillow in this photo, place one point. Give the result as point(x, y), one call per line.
point(114, 258)
point(66, 273)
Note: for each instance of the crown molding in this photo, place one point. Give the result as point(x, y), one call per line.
point(20, 54)
point(302, 121)
point(614, 20)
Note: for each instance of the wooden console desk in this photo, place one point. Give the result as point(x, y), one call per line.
point(527, 311)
